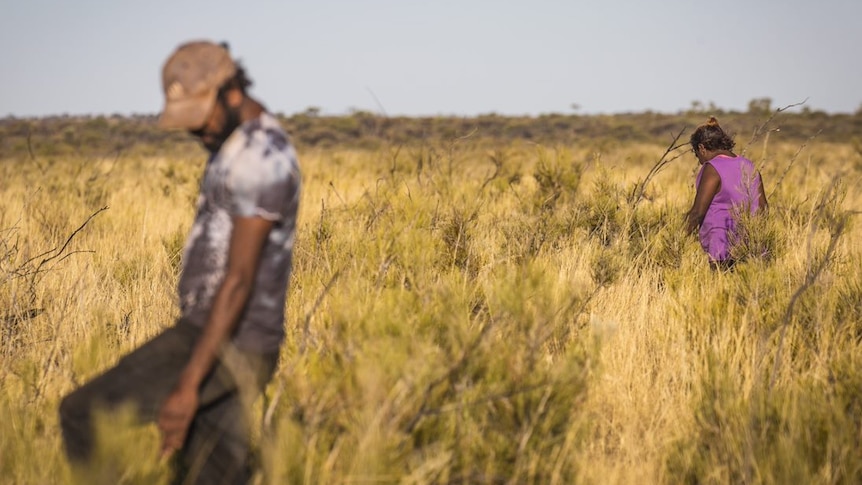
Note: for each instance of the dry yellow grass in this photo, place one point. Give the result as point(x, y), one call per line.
point(465, 315)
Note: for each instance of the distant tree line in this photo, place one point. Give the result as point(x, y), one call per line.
point(104, 135)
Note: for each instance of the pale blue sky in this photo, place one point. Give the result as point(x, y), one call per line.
point(462, 57)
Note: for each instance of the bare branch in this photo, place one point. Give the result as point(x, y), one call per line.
point(467, 136)
point(307, 325)
point(496, 159)
point(791, 162)
point(639, 189)
point(30, 150)
point(762, 128)
point(30, 145)
point(22, 316)
point(58, 252)
point(377, 102)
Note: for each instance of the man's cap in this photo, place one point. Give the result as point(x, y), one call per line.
point(191, 78)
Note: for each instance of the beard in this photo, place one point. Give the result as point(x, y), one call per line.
point(213, 141)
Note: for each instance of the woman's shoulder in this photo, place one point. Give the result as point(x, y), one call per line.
point(729, 161)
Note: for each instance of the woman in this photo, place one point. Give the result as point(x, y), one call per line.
point(727, 185)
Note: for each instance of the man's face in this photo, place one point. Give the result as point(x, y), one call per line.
point(220, 123)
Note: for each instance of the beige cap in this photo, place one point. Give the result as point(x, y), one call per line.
point(191, 78)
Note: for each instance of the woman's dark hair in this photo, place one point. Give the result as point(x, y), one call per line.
point(711, 136)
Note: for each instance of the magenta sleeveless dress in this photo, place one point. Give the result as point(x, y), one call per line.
point(740, 191)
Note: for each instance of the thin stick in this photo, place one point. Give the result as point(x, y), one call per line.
point(640, 188)
point(63, 248)
point(791, 163)
point(307, 325)
point(759, 130)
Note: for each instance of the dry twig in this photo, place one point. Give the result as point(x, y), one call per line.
point(640, 188)
point(758, 132)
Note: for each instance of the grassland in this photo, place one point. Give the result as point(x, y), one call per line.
point(466, 311)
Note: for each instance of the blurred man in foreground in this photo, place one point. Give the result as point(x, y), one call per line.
point(197, 378)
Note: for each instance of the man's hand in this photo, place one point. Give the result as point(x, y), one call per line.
point(246, 244)
point(175, 417)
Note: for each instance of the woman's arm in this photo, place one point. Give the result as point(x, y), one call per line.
point(710, 184)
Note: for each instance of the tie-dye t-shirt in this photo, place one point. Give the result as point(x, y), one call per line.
point(254, 174)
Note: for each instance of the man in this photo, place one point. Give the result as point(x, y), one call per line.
point(197, 378)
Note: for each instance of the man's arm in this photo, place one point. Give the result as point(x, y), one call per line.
point(246, 244)
point(710, 183)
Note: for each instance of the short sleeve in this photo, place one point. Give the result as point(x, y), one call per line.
point(262, 180)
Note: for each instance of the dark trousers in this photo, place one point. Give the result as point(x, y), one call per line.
point(216, 450)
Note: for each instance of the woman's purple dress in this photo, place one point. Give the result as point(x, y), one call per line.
point(739, 191)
